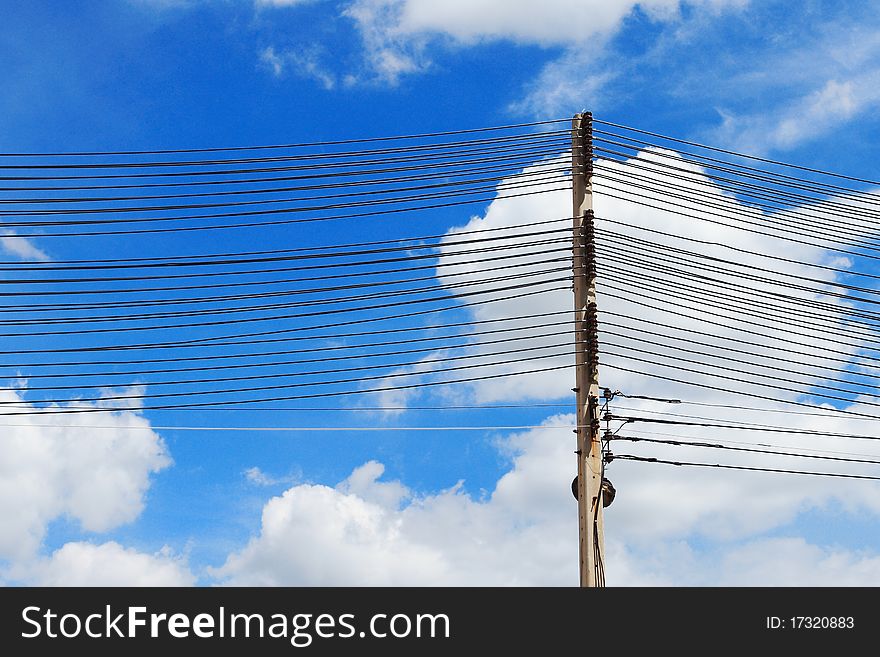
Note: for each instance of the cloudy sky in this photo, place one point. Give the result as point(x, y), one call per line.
point(142, 501)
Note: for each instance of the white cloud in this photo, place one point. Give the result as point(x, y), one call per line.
point(547, 22)
point(270, 58)
point(388, 54)
point(719, 506)
point(397, 35)
point(395, 399)
point(509, 213)
point(368, 531)
point(315, 535)
point(53, 465)
point(570, 83)
point(513, 212)
point(21, 247)
point(794, 562)
point(282, 3)
point(358, 533)
point(107, 564)
point(790, 561)
point(804, 119)
point(304, 62)
point(525, 532)
point(802, 87)
point(364, 483)
point(257, 477)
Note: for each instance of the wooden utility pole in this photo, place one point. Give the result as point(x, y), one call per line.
point(589, 444)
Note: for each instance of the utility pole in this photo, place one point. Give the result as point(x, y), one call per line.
point(589, 444)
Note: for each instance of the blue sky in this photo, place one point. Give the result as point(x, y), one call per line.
point(792, 81)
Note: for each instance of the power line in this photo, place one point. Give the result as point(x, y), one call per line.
point(771, 444)
point(741, 393)
point(789, 389)
point(282, 386)
point(312, 144)
point(788, 338)
point(325, 160)
point(513, 155)
point(705, 216)
point(775, 347)
point(516, 261)
point(730, 152)
point(806, 329)
point(477, 249)
point(731, 247)
point(742, 423)
point(740, 426)
point(289, 221)
point(510, 167)
point(216, 340)
point(750, 450)
point(335, 409)
point(467, 186)
point(308, 361)
point(398, 387)
point(481, 187)
point(225, 356)
point(782, 301)
point(737, 407)
point(645, 459)
point(336, 250)
point(776, 179)
point(508, 328)
point(803, 326)
point(355, 165)
point(515, 427)
point(318, 313)
point(807, 223)
point(649, 248)
point(823, 368)
point(740, 213)
point(701, 170)
point(778, 194)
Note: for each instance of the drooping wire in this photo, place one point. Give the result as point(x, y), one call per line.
point(647, 459)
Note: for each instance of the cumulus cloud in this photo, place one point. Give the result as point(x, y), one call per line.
point(718, 506)
point(511, 213)
point(56, 465)
point(106, 564)
point(372, 532)
point(364, 483)
point(524, 531)
point(366, 531)
point(621, 224)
